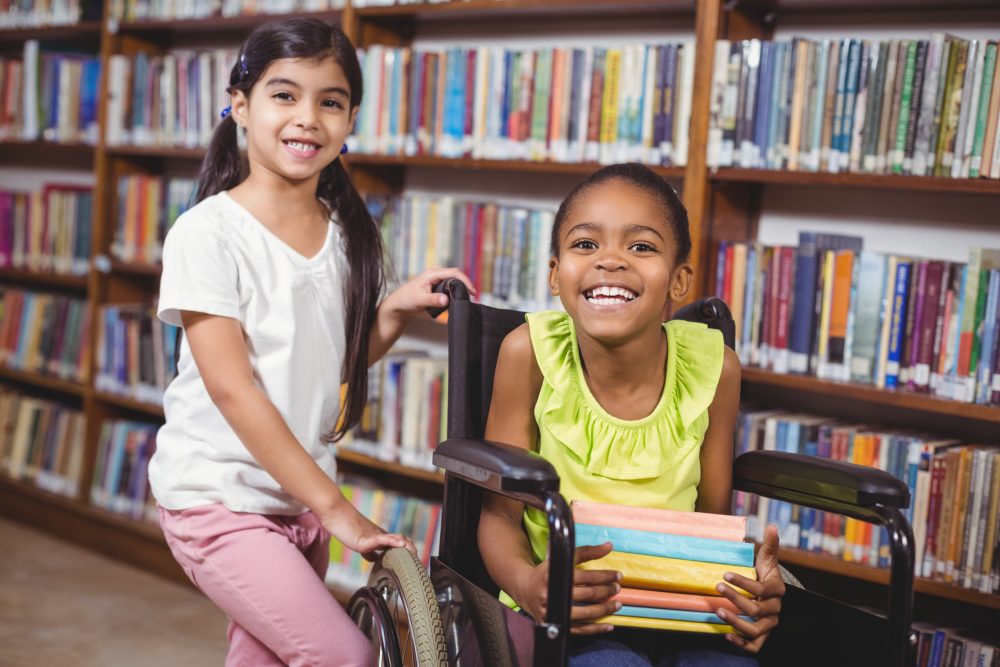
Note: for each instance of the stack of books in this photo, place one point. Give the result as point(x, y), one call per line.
point(671, 563)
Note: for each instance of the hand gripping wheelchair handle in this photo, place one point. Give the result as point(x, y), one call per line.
point(454, 288)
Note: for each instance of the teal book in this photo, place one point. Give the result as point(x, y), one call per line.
point(674, 614)
point(650, 543)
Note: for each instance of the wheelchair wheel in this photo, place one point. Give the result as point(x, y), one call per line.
point(414, 635)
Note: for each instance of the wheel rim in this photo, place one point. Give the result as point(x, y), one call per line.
point(369, 612)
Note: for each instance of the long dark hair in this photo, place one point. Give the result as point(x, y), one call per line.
point(643, 178)
point(224, 168)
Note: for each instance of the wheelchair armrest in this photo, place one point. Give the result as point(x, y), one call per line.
point(497, 466)
point(834, 486)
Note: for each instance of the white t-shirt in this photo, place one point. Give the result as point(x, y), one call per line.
point(218, 259)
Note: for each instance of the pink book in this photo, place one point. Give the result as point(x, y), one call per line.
point(639, 597)
point(692, 524)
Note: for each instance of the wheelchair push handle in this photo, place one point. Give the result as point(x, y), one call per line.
point(454, 288)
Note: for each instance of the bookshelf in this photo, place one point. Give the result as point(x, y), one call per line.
point(723, 204)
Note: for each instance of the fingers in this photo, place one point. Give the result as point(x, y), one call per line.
point(582, 617)
point(595, 593)
point(591, 629)
point(583, 554)
point(770, 546)
point(437, 275)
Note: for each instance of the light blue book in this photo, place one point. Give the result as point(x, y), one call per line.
point(674, 614)
point(667, 546)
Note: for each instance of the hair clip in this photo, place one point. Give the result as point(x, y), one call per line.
point(343, 149)
point(225, 112)
point(244, 72)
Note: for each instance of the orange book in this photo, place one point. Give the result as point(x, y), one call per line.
point(692, 524)
point(638, 597)
point(843, 268)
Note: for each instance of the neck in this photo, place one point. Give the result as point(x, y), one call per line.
point(276, 200)
point(636, 362)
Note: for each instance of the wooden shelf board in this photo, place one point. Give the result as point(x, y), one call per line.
point(46, 154)
point(55, 280)
point(481, 9)
point(370, 462)
point(217, 24)
point(810, 7)
point(825, 563)
point(157, 152)
point(983, 186)
point(151, 409)
point(901, 399)
point(43, 381)
point(136, 268)
point(84, 31)
point(581, 168)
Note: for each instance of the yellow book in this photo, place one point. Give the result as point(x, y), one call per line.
point(609, 103)
point(823, 332)
point(665, 624)
point(668, 574)
point(738, 291)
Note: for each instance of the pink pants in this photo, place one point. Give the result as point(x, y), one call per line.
point(266, 573)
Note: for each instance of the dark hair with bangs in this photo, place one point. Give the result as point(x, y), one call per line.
point(224, 168)
point(645, 179)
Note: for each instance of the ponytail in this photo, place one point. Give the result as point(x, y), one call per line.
point(363, 247)
point(223, 167)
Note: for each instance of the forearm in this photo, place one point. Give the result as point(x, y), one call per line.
point(261, 428)
point(386, 330)
point(505, 549)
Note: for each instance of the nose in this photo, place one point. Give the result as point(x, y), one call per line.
point(611, 259)
point(305, 116)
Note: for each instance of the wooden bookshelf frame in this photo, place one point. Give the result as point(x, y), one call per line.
point(723, 204)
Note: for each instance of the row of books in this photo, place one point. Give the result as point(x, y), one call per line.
point(29, 13)
point(170, 99)
point(923, 107)
point(503, 249)
point(671, 563)
point(44, 333)
point(591, 104)
point(406, 414)
point(136, 352)
point(50, 96)
point(168, 10)
point(120, 483)
point(389, 3)
point(955, 491)
point(830, 309)
point(41, 441)
point(419, 519)
point(147, 207)
point(47, 230)
point(943, 647)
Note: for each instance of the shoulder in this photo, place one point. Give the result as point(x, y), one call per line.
point(207, 218)
point(517, 354)
point(731, 371)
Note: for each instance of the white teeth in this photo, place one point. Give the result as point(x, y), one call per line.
point(300, 146)
point(608, 294)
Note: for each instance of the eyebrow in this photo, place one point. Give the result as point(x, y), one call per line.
point(630, 229)
point(280, 81)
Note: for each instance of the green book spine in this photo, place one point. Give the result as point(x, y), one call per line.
point(984, 106)
point(903, 121)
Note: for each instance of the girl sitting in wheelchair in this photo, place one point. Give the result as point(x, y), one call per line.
point(628, 409)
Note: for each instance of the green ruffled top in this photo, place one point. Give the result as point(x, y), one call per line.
point(648, 462)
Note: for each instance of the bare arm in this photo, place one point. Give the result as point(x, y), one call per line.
point(502, 541)
point(716, 486)
point(405, 303)
point(224, 364)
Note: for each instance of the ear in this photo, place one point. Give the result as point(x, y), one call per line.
point(354, 117)
point(680, 283)
point(554, 276)
point(240, 104)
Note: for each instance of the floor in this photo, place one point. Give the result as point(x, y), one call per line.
point(62, 605)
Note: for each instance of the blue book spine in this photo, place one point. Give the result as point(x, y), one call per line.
point(850, 93)
point(745, 330)
point(720, 269)
point(650, 543)
point(799, 334)
point(673, 614)
point(764, 77)
point(898, 324)
point(774, 116)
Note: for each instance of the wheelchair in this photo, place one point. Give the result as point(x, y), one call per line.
point(453, 616)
